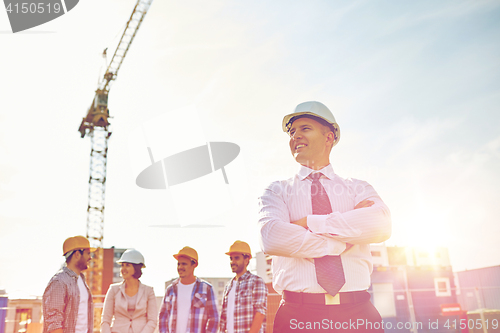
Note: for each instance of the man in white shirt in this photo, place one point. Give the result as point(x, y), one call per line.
point(244, 302)
point(67, 301)
point(318, 227)
point(189, 304)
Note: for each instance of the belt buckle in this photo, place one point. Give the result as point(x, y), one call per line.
point(332, 300)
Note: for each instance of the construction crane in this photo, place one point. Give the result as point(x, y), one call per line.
point(96, 125)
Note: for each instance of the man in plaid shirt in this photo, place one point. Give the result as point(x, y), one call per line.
point(245, 296)
point(189, 303)
point(67, 301)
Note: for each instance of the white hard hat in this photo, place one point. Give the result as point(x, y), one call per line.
point(132, 256)
point(315, 109)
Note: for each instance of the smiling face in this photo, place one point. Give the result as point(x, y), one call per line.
point(127, 270)
point(238, 263)
point(185, 268)
point(310, 143)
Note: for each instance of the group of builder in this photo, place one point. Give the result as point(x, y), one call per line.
point(130, 306)
point(317, 226)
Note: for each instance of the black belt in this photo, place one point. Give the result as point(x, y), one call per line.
point(326, 299)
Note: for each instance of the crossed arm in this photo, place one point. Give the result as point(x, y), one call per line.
point(303, 221)
point(368, 222)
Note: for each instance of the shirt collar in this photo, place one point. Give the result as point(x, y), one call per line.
point(304, 172)
point(243, 277)
point(178, 280)
point(70, 272)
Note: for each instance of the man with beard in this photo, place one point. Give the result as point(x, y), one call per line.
point(245, 297)
point(67, 301)
point(189, 303)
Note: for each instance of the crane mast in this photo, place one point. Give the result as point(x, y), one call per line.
point(96, 125)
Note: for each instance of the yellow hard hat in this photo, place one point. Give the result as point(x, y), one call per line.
point(240, 247)
point(76, 243)
point(188, 252)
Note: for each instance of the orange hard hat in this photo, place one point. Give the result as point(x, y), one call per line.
point(240, 247)
point(76, 243)
point(188, 252)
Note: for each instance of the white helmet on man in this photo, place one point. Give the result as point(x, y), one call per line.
point(132, 256)
point(315, 109)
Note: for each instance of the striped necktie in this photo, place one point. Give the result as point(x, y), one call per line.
point(329, 271)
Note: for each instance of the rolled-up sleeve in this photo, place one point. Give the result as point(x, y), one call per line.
point(54, 303)
point(259, 294)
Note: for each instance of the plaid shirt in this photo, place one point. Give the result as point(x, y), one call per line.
point(251, 297)
point(203, 316)
point(61, 299)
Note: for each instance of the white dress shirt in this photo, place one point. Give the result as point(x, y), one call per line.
point(293, 246)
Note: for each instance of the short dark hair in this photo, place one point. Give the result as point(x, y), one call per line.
point(137, 270)
point(68, 259)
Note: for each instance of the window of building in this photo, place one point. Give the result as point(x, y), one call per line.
point(221, 284)
point(23, 318)
point(383, 299)
point(442, 286)
point(376, 254)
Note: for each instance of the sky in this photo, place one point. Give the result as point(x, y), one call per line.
point(414, 87)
